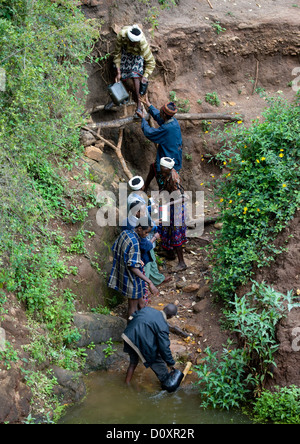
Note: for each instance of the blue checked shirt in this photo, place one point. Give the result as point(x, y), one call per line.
point(127, 254)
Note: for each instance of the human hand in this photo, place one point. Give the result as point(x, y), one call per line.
point(153, 289)
point(141, 114)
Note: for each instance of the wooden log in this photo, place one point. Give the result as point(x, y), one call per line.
point(208, 116)
point(98, 108)
point(186, 370)
point(119, 123)
point(178, 331)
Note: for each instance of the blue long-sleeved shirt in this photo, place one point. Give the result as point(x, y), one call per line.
point(167, 136)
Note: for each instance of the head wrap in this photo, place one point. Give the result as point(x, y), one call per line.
point(170, 109)
point(135, 33)
point(167, 162)
point(136, 183)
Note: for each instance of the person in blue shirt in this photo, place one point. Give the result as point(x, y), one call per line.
point(168, 137)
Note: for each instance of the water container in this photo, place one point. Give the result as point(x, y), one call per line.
point(118, 93)
point(173, 381)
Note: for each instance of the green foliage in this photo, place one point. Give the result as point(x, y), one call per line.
point(8, 355)
point(281, 406)
point(183, 105)
point(223, 381)
point(212, 99)
point(44, 48)
point(255, 317)
point(218, 27)
point(258, 194)
point(229, 380)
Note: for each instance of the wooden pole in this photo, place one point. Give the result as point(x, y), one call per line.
point(186, 370)
point(118, 123)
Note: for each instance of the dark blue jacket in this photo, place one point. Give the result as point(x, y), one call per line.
point(148, 333)
point(167, 136)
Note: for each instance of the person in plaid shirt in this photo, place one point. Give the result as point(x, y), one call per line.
point(127, 275)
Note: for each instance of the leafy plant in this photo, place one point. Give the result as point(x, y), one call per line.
point(212, 98)
point(281, 406)
point(231, 379)
point(218, 27)
point(258, 194)
point(183, 105)
point(224, 381)
point(109, 350)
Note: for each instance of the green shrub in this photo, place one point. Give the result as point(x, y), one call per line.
point(258, 195)
point(281, 406)
point(231, 379)
point(224, 382)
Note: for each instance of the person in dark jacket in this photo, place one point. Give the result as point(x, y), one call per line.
point(168, 137)
point(147, 338)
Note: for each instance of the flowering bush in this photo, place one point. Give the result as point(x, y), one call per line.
point(258, 194)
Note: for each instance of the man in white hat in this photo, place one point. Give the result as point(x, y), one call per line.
point(134, 60)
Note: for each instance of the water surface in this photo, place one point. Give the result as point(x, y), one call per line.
point(110, 401)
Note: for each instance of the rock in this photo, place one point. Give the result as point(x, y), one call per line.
point(179, 351)
point(93, 153)
point(200, 306)
point(190, 288)
point(203, 292)
point(97, 360)
point(15, 397)
point(196, 330)
point(180, 285)
point(98, 328)
point(218, 225)
point(71, 387)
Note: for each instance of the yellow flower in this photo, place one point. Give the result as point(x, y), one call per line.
point(229, 174)
point(239, 194)
point(201, 184)
point(245, 210)
point(239, 122)
point(224, 163)
point(263, 158)
point(221, 200)
point(284, 185)
point(281, 150)
point(281, 155)
point(257, 161)
point(258, 209)
point(230, 201)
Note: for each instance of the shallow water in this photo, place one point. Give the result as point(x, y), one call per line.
point(110, 401)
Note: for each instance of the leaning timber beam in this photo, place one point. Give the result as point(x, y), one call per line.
point(119, 123)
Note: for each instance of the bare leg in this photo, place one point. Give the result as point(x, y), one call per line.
point(137, 84)
point(149, 179)
point(130, 372)
point(181, 264)
point(134, 305)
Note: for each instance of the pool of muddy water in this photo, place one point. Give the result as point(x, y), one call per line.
point(110, 401)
